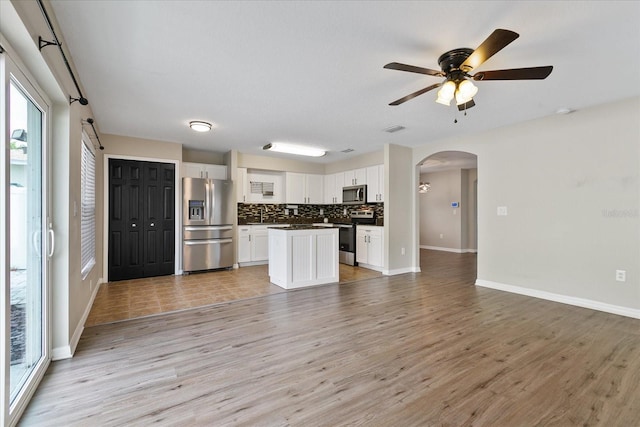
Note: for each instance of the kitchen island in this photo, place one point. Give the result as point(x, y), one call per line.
point(303, 255)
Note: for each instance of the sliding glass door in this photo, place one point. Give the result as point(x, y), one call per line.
point(27, 240)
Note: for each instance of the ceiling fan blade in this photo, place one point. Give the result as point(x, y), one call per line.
point(414, 94)
point(497, 41)
point(413, 69)
point(531, 73)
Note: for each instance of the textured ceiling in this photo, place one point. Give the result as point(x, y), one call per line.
point(311, 72)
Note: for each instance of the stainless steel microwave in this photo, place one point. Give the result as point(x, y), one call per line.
point(354, 195)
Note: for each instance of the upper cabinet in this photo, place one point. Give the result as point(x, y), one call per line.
point(202, 170)
point(261, 186)
point(241, 185)
point(333, 188)
point(375, 184)
point(304, 188)
point(355, 177)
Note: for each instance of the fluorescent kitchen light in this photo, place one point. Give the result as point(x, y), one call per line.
point(300, 150)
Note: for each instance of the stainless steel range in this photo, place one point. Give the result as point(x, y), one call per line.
point(347, 234)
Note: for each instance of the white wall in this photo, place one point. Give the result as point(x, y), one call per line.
point(71, 295)
point(399, 238)
point(572, 190)
point(251, 161)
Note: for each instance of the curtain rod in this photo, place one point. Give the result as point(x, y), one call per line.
point(90, 121)
point(44, 43)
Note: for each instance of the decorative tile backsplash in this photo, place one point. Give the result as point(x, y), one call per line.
point(279, 213)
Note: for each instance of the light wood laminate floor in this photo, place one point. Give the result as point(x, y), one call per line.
point(129, 299)
point(418, 349)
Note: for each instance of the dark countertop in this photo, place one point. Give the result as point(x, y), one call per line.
point(304, 227)
point(305, 221)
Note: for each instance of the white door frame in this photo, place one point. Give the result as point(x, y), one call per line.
point(12, 66)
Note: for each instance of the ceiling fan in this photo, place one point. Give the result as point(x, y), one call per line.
point(456, 65)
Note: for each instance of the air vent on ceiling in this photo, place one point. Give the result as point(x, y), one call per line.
point(348, 150)
point(392, 129)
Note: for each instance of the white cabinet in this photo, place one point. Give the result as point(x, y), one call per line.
point(242, 185)
point(333, 188)
point(299, 258)
point(375, 184)
point(369, 245)
point(253, 243)
point(259, 243)
point(244, 243)
point(263, 186)
point(304, 188)
point(355, 177)
point(202, 170)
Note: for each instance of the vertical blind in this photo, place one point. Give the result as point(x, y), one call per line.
point(88, 208)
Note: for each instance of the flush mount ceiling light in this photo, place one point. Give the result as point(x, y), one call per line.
point(299, 150)
point(200, 126)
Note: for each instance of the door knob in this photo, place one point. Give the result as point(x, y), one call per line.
point(133, 225)
point(152, 224)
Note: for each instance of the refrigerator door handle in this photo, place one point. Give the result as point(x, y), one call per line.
point(207, 202)
point(206, 242)
point(208, 228)
point(212, 197)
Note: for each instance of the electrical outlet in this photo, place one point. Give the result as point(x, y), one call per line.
point(502, 211)
point(621, 275)
point(442, 236)
point(402, 251)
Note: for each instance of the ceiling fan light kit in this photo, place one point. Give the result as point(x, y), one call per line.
point(456, 65)
point(300, 150)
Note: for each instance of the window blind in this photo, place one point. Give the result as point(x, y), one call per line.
point(87, 209)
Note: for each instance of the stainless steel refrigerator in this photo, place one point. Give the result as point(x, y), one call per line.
point(207, 219)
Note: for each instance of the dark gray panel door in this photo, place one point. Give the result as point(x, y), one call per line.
point(141, 219)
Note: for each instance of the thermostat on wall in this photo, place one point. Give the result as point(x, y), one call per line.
point(455, 204)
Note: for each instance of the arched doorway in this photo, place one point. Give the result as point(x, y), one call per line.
point(447, 206)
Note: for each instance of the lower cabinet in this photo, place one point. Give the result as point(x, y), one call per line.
point(369, 246)
point(253, 243)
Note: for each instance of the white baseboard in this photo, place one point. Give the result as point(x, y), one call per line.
point(66, 352)
point(579, 302)
point(456, 250)
point(401, 271)
point(252, 263)
point(371, 267)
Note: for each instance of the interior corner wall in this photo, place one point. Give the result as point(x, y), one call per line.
point(201, 156)
point(469, 208)
point(399, 238)
point(571, 187)
point(278, 164)
point(126, 146)
point(356, 162)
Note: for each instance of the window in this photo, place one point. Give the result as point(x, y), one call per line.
point(88, 207)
